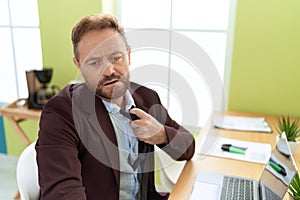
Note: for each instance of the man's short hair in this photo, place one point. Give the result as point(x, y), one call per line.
point(95, 22)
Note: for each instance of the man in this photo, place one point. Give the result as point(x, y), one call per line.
point(96, 139)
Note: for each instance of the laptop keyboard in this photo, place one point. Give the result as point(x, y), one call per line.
point(237, 189)
point(270, 194)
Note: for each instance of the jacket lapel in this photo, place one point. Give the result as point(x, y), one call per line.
point(99, 133)
point(108, 135)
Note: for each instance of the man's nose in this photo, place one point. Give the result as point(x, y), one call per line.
point(109, 69)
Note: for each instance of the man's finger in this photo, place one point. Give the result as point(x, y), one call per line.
point(138, 112)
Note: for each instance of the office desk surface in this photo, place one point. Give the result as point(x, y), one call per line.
point(184, 185)
point(12, 110)
point(16, 114)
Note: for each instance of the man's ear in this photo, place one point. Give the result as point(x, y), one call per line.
point(76, 62)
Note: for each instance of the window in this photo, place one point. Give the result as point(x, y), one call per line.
point(20, 46)
point(205, 23)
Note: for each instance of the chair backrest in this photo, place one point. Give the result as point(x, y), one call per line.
point(169, 170)
point(27, 174)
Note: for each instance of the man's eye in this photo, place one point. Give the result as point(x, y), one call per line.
point(94, 63)
point(117, 59)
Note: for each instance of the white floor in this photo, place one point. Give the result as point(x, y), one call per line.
point(8, 182)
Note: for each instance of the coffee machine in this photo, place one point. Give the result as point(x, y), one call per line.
point(39, 92)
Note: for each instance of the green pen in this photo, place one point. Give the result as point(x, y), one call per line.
point(277, 167)
point(232, 149)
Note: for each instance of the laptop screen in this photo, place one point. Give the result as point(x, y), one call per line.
point(280, 170)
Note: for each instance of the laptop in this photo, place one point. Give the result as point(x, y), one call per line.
point(273, 183)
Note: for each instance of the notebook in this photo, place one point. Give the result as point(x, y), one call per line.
point(257, 124)
point(273, 183)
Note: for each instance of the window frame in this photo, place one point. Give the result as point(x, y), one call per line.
point(115, 7)
point(20, 92)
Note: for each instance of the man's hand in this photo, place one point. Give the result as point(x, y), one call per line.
point(147, 128)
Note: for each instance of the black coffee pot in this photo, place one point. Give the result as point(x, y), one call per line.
point(39, 90)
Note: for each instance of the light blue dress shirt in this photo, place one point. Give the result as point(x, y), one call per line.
point(128, 147)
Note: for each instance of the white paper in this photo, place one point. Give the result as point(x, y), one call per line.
point(256, 152)
point(258, 124)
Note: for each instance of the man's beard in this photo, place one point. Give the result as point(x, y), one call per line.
point(119, 89)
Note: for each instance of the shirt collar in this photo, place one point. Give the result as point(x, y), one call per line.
point(114, 108)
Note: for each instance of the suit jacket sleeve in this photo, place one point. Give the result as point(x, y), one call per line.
point(57, 153)
point(181, 143)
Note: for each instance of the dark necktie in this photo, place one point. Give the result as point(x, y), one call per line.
point(130, 116)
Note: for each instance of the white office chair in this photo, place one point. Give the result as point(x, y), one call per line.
point(169, 170)
point(27, 174)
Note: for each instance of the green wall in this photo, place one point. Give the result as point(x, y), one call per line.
point(57, 17)
point(14, 143)
point(266, 58)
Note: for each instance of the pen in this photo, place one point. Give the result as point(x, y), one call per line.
point(242, 148)
point(233, 149)
point(277, 167)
